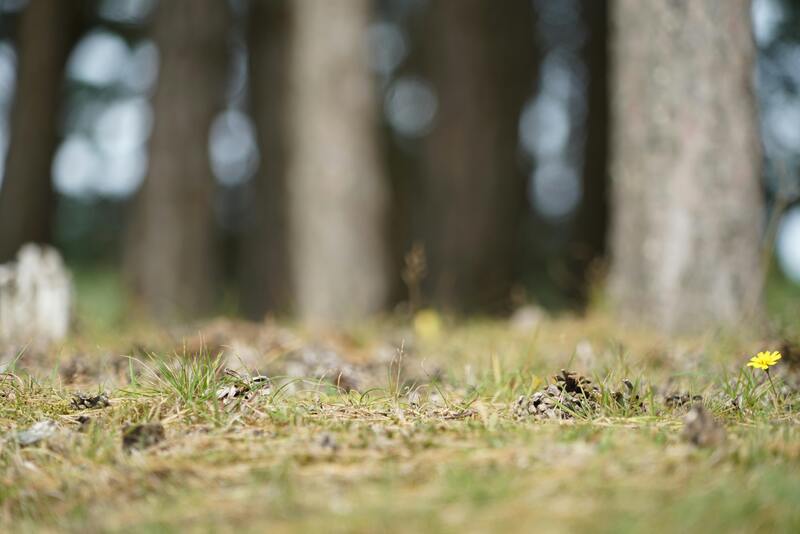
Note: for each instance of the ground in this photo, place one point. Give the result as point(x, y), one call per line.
point(399, 427)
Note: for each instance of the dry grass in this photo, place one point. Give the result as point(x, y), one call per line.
point(422, 442)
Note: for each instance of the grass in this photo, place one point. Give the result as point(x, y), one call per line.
point(425, 441)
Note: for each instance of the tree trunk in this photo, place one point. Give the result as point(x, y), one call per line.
point(337, 191)
point(481, 61)
point(265, 260)
point(47, 32)
point(686, 185)
point(170, 255)
point(590, 226)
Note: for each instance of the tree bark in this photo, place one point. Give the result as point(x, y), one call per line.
point(265, 286)
point(590, 226)
point(47, 32)
point(481, 61)
point(170, 250)
point(337, 191)
point(686, 156)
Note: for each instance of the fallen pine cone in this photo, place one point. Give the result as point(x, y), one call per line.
point(568, 395)
point(676, 400)
point(82, 401)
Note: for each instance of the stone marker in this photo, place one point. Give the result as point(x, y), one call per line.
point(35, 296)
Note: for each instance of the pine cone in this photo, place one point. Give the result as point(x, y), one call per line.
point(83, 401)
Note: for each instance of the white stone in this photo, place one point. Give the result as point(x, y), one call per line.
point(35, 296)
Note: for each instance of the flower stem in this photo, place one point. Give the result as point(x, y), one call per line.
point(774, 391)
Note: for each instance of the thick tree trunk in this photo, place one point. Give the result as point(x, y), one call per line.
point(481, 60)
point(265, 259)
point(590, 226)
point(47, 32)
point(686, 194)
point(337, 192)
point(170, 254)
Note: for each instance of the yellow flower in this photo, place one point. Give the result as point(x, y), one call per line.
point(764, 360)
point(427, 324)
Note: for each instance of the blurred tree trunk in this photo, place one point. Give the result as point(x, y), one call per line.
point(686, 188)
point(481, 61)
point(170, 251)
point(337, 191)
point(590, 226)
point(265, 259)
point(47, 32)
